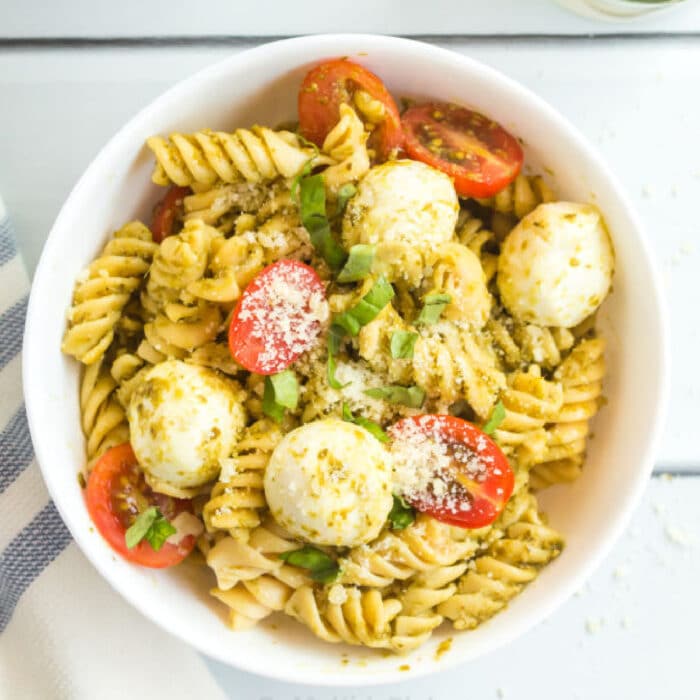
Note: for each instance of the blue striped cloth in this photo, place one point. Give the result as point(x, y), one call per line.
point(57, 616)
point(28, 550)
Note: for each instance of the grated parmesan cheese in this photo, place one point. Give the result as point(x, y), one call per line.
point(286, 318)
point(426, 466)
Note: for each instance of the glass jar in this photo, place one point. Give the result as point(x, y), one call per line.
point(617, 9)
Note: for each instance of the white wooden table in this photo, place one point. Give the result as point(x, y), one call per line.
point(72, 72)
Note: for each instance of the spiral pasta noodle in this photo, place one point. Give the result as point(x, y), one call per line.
point(452, 364)
point(205, 157)
point(238, 497)
point(346, 144)
point(103, 419)
point(581, 375)
point(252, 581)
point(509, 565)
point(457, 271)
point(520, 197)
point(530, 402)
point(104, 290)
point(396, 556)
point(520, 344)
point(481, 241)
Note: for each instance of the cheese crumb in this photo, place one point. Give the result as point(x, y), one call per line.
point(593, 625)
point(337, 595)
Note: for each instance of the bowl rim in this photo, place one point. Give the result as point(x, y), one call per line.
point(655, 301)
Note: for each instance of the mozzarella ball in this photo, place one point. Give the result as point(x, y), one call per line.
point(556, 266)
point(402, 202)
point(329, 482)
point(183, 419)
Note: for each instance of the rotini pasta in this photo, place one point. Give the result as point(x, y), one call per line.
point(398, 556)
point(498, 576)
point(205, 157)
point(238, 498)
point(452, 364)
point(104, 290)
point(520, 197)
point(581, 375)
point(103, 419)
point(327, 380)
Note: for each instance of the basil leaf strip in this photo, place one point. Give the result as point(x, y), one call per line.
point(286, 388)
point(322, 568)
point(150, 525)
point(433, 306)
point(270, 407)
point(412, 396)
point(402, 344)
point(496, 418)
point(359, 263)
point(345, 194)
point(312, 206)
point(296, 182)
point(159, 532)
point(367, 308)
point(369, 425)
point(401, 514)
point(335, 336)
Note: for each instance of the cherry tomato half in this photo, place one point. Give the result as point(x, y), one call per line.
point(278, 317)
point(475, 486)
point(335, 82)
point(117, 493)
point(166, 211)
point(476, 152)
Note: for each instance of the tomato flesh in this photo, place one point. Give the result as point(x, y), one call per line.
point(333, 83)
point(278, 317)
point(166, 212)
point(476, 152)
point(478, 482)
point(117, 493)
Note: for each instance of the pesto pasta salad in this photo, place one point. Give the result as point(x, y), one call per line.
point(339, 363)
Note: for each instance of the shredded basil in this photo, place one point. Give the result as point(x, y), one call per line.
point(152, 526)
point(497, 416)
point(369, 425)
point(322, 568)
point(433, 306)
point(296, 182)
point(412, 396)
point(402, 344)
point(401, 514)
point(335, 336)
point(358, 264)
point(367, 308)
point(345, 194)
point(312, 206)
point(281, 391)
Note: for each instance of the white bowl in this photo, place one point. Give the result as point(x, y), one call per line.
point(261, 86)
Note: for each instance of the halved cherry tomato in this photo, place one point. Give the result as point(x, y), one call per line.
point(476, 152)
point(334, 82)
point(278, 317)
point(166, 211)
point(117, 493)
point(478, 482)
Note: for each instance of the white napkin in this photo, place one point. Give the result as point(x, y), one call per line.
point(64, 634)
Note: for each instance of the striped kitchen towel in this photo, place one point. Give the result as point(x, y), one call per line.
point(64, 634)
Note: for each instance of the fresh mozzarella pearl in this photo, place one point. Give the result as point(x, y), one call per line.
point(183, 419)
point(402, 202)
point(329, 482)
point(556, 266)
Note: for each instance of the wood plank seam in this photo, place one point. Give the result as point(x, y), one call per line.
point(226, 39)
